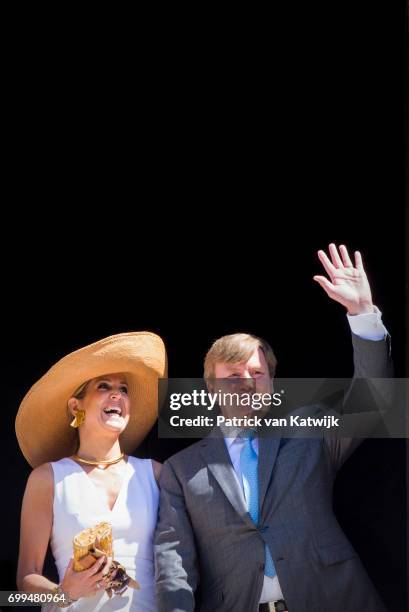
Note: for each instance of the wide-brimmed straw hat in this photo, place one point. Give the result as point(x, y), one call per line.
point(42, 423)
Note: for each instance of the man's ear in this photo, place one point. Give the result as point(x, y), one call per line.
point(73, 405)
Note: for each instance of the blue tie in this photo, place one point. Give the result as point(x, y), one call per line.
point(248, 464)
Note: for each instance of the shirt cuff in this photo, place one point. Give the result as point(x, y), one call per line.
point(368, 326)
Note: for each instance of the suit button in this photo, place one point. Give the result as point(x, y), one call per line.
point(261, 567)
point(279, 559)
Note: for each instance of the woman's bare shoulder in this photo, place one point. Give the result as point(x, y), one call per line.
point(41, 478)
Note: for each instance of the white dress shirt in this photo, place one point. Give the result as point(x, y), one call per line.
point(368, 326)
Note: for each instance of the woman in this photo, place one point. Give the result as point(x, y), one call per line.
point(82, 477)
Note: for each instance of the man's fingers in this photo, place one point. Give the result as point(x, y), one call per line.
point(345, 256)
point(325, 284)
point(329, 268)
point(358, 261)
point(336, 260)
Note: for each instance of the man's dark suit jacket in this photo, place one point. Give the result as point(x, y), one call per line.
point(206, 542)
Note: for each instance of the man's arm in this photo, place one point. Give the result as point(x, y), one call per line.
point(174, 546)
point(369, 387)
point(349, 286)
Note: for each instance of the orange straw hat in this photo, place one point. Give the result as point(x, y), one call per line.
point(42, 424)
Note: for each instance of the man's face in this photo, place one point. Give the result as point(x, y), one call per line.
point(249, 377)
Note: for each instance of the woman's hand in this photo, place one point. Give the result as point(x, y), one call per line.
point(88, 582)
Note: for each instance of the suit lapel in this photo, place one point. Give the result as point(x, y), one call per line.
point(267, 453)
point(215, 454)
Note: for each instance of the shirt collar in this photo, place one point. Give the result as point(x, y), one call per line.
point(230, 434)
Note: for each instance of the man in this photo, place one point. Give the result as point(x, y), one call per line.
point(246, 521)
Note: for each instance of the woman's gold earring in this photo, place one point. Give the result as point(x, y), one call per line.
point(78, 419)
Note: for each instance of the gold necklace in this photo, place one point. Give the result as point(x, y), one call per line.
point(101, 465)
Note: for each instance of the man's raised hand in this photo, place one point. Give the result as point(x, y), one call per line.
point(348, 283)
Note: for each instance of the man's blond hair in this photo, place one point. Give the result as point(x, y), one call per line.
point(237, 348)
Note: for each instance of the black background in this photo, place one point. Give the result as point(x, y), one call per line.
point(195, 208)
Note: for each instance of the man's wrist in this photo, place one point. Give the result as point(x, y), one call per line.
point(369, 325)
point(366, 308)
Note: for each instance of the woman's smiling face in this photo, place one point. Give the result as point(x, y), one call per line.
point(106, 404)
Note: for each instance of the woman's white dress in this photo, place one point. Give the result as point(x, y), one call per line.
point(79, 504)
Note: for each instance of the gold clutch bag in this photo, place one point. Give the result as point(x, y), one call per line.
point(91, 544)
